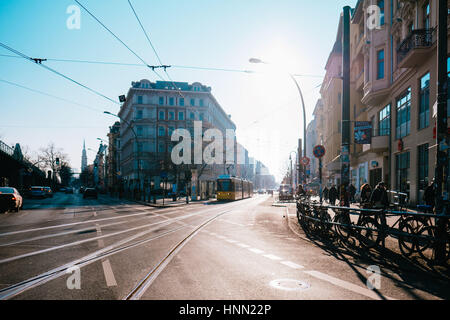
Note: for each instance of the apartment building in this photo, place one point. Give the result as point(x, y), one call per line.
point(150, 114)
point(393, 86)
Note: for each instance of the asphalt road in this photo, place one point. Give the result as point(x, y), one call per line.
point(251, 249)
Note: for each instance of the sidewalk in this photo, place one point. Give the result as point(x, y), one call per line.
point(169, 203)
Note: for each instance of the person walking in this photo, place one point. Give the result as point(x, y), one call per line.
point(366, 191)
point(332, 195)
point(352, 190)
point(379, 198)
point(325, 193)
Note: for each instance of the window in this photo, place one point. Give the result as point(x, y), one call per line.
point(181, 115)
point(171, 130)
point(140, 100)
point(426, 15)
point(182, 102)
point(171, 115)
point(161, 147)
point(139, 131)
point(422, 152)
point(162, 115)
point(448, 86)
point(201, 102)
point(140, 147)
point(403, 115)
point(384, 121)
point(381, 6)
point(201, 117)
point(192, 102)
point(192, 116)
point(161, 101)
point(402, 172)
point(171, 101)
point(161, 131)
point(424, 102)
point(380, 64)
point(139, 114)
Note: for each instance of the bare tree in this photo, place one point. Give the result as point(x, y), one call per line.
point(51, 157)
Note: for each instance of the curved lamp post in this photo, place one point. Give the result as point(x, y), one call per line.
point(255, 60)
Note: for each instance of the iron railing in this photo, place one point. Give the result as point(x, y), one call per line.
point(419, 38)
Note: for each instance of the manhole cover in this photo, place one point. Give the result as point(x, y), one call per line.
point(290, 284)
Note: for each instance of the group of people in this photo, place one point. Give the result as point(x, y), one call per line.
point(377, 197)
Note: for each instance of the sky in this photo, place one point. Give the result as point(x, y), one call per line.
point(294, 36)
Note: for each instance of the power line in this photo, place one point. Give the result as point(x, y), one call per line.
point(154, 50)
point(50, 95)
point(172, 66)
point(117, 38)
point(39, 63)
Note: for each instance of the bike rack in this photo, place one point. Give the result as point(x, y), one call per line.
point(388, 231)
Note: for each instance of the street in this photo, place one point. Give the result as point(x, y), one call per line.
point(251, 249)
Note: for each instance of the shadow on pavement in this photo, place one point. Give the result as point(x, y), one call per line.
point(413, 273)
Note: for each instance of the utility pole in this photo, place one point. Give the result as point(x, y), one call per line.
point(441, 170)
point(345, 145)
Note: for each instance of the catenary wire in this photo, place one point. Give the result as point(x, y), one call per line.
point(54, 71)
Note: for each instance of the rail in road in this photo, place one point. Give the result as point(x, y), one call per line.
point(139, 235)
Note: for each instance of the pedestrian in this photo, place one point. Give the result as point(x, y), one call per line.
point(344, 196)
point(366, 191)
point(429, 195)
point(379, 197)
point(300, 191)
point(325, 193)
point(352, 191)
point(332, 195)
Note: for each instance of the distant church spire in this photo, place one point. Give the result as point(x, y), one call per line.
point(83, 157)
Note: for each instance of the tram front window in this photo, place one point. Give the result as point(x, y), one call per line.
point(224, 185)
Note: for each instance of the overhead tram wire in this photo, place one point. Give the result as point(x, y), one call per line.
point(50, 95)
point(118, 39)
point(154, 50)
point(172, 66)
point(39, 63)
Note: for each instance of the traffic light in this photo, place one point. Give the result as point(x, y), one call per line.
point(57, 161)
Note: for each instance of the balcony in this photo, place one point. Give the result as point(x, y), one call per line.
point(379, 143)
point(415, 48)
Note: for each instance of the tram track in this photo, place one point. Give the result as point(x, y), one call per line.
point(120, 246)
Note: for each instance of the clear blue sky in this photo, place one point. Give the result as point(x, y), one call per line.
point(297, 35)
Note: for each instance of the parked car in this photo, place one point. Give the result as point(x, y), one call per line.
point(82, 189)
point(48, 192)
point(62, 189)
point(90, 193)
point(37, 192)
point(10, 199)
point(68, 190)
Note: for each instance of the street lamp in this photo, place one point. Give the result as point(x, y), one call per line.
point(256, 60)
point(136, 139)
point(293, 183)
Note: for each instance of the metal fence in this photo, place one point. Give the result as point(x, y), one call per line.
point(416, 232)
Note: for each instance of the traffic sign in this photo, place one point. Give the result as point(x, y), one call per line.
point(319, 151)
point(305, 161)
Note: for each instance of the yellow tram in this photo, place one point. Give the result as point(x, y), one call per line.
point(231, 188)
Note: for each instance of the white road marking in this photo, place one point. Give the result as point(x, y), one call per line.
point(243, 245)
point(346, 285)
point(292, 265)
point(272, 257)
point(254, 250)
point(109, 275)
point(230, 240)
